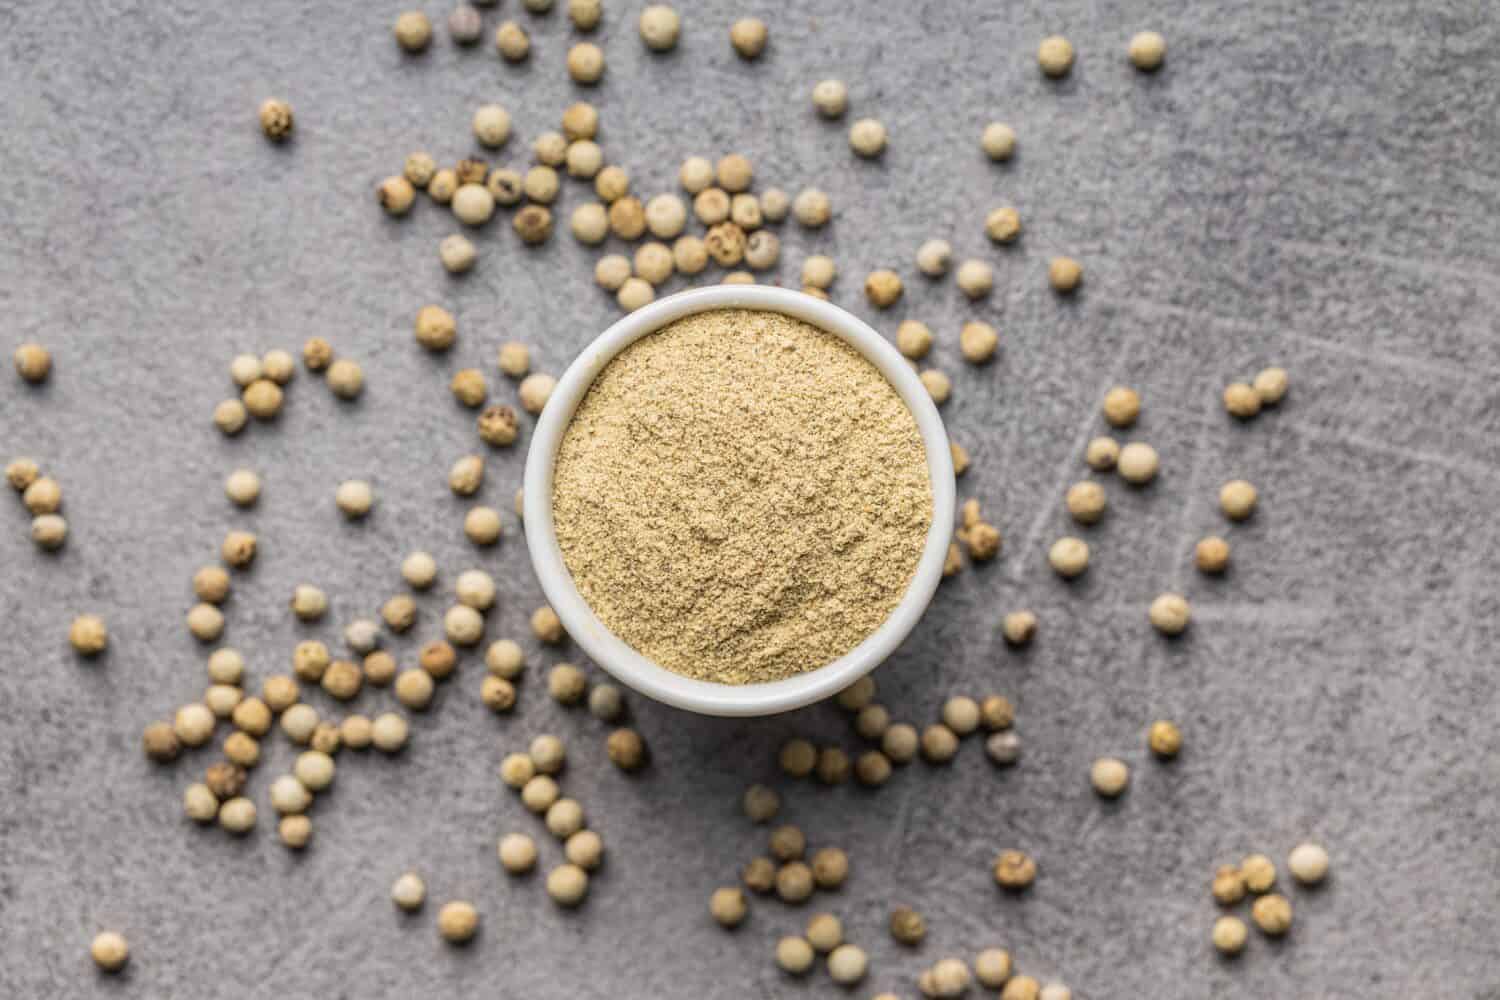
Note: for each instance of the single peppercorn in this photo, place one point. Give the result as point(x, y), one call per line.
point(907, 926)
point(1138, 463)
point(728, 906)
point(567, 884)
point(1237, 499)
point(1228, 886)
point(1147, 51)
point(413, 31)
point(1259, 873)
point(787, 843)
point(1055, 56)
point(998, 140)
point(659, 27)
point(1272, 913)
point(1065, 274)
point(626, 749)
point(1164, 739)
point(1019, 627)
point(975, 278)
point(1014, 870)
point(1109, 776)
point(1211, 555)
point(109, 951)
point(1069, 557)
point(1229, 935)
point(276, 119)
point(1170, 614)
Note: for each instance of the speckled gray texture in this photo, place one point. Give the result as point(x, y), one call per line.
point(1316, 185)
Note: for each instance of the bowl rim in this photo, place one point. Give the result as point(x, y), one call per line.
point(617, 657)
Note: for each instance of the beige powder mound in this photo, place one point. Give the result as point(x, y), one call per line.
point(741, 496)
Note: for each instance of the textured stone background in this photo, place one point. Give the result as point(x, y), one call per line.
point(1315, 185)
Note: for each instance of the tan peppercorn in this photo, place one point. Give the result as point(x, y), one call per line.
point(88, 635)
point(1065, 274)
point(205, 622)
point(1110, 776)
point(505, 186)
point(760, 803)
point(975, 278)
point(748, 37)
point(1147, 50)
point(872, 768)
point(913, 339)
point(1021, 988)
point(533, 224)
point(457, 254)
point(160, 742)
point(512, 42)
point(977, 342)
point(262, 399)
point(1164, 739)
point(984, 541)
point(567, 684)
point(110, 951)
point(830, 98)
point(1228, 885)
point(830, 867)
point(1259, 873)
point(276, 119)
point(1101, 454)
point(1019, 627)
point(252, 716)
point(342, 679)
point(797, 757)
point(396, 195)
point(900, 742)
point(317, 354)
point(586, 63)
point(1121, 407)
point(413, 31)
point(833, 766)
point(33, 363)
point(469, 387)
point(442, 186)
point(867, 138)
point(1229, 935)
point(1138, 463)
point(458, 922)
point(1237, 499)
point(1014, 870)
point(960, 458)
point(1170, 614)
point(795, 955)
point(907, 926)
point(1271, 385)
point(1069, 557)
point(794, 882)
point(1055, 56)
point(546, 626)
point(626, 749)
point(996, 712)
point(728, 906)
point(883, 288)
point(345, 378)
point(1086, 502)
point(1272, 914)
point(939, 743)
point(567, 884)
point(725, 243)
point(224, 779)
point(759, 875)
point(659, 27)
point(812, 208)
point(1003, 225)
point(998, 140)
point(1211, 555)
point(1241, 401)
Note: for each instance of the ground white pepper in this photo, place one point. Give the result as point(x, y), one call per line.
point(1147, 50)
point(867, 137)
point(567, 884)
point(975, 278)
point(1138, 463)
point(1271, 385)
point(700, 645)
point(812, 208)
point(1014, 870)
point(1170, 614)
point(1065, 274)
point(1164, 739)
point(830, 98)
point(1055, 56)
point(1272, 913)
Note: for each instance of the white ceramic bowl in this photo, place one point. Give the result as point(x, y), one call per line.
point(611, 652)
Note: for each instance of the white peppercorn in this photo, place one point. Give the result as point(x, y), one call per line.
point(612, 271)
point(584, 849)
point(934, 257)
point(812, 208)
point(659, 26)
point(1147, 51)
point(666, 215)
point(998, 141)
point(511, 41)
point(689, 255)
point(491, 125)
point(1138, 463)
point(388, 732)
point(1055, 56)
point(517, 853)
point(276, 119)
point(1064, 274)
point(457, 254)
point(567, 884)
point(457, 922)
point(867, 137)
point(795, 955)
point(413, 31)
point(975, 278)
point(586, 63)
point(847, 964)
point(1170, 614)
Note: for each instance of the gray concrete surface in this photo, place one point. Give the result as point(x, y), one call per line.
point(1314, 185)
